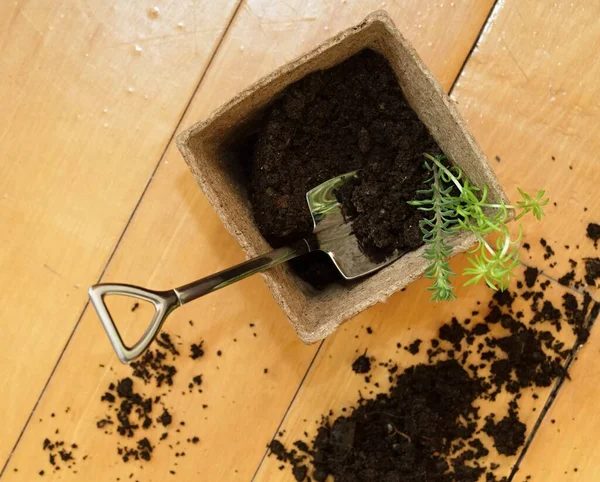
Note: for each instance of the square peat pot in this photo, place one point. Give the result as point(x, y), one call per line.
point(209, 149)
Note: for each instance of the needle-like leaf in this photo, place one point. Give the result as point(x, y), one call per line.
point(455, 204)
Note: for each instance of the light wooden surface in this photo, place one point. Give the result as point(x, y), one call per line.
point(174, 236)
point(528, 96)
point(91, 93)
point(538, 97)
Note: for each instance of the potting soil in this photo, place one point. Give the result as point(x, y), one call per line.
point(352, 116)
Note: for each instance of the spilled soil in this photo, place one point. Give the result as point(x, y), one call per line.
point(428, 426)
point(130, 413)
point(138, 423)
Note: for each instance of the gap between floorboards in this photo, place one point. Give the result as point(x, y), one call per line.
point(554, 393)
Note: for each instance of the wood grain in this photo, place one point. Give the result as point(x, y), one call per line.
point(530, 96)
point(175, 237)
point(90, 94)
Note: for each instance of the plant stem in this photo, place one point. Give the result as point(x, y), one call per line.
point(483, 242)
point(439, 222)
point(494, 263)
point(448, 172)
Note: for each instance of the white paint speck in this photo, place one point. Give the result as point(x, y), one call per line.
point(130, 90)
point(154, 12)
point(138, 49)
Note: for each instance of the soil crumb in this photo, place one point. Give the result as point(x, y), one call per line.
point(593, 232)
point(508, 434)
point(362, 364)
point(531, 275)
point(196, 350)
point(592, 271)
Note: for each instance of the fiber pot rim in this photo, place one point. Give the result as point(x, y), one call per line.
point(314, 315)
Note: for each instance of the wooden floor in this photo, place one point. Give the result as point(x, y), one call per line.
point(93, 188)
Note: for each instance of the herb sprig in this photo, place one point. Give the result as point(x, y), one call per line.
point(455, 204)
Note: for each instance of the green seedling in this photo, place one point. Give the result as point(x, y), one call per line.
point(455, 205)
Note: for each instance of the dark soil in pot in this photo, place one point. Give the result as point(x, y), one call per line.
point(352, 116)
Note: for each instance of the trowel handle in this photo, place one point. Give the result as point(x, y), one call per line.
point(166, 301)
point(201, 287)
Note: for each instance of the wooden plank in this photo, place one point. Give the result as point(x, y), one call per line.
point(407, 316)
point(91, 93)
point(538, 98)
point(175, 236)
point(570, 428)
point(531, 99)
